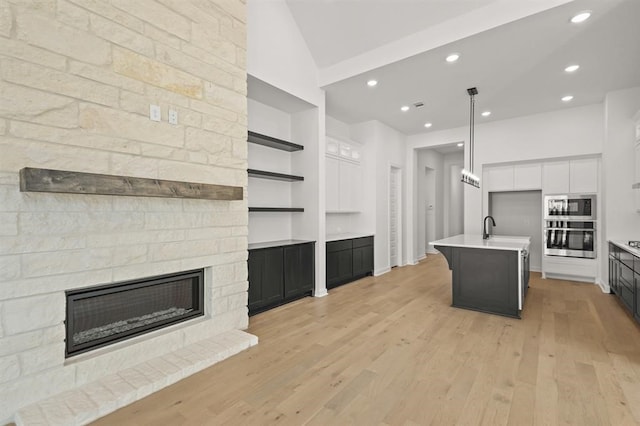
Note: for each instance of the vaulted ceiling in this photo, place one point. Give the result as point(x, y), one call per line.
point(513, 51)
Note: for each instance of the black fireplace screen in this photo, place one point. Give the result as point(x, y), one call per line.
point(99, 316)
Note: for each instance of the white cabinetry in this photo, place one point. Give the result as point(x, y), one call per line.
point(555, 177)
point(583, 176)
point(332, 167)
point(570, 177)
point(527, 176)
point(499, 178)
point(518, 177)
point(343, 177)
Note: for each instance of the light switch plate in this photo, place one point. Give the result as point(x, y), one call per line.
point(155, 113)
point(173, 116)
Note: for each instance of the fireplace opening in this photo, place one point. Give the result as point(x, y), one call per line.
point(99, 316)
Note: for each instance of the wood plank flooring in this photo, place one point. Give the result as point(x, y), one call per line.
point(390, 350)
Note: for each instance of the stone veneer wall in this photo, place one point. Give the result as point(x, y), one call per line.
point(76, 81)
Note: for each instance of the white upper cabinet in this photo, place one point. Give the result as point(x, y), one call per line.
point(499, 178)
point(519, 177)
point(343, 177)
point(555, 177)
point(332, 167)
point(583, 176)
point(527, 176)
point(571, 177)
point(350, 187)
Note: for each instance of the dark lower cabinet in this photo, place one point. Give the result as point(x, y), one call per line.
point(266, 278)
point(349, 260)
point(636, 312)
point(299, 269)
point(280, 274)
point(624, 278)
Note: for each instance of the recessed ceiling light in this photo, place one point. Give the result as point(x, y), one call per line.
point(486, 113)
point(572, 68)
point(567, 98)
point(372, 83)
point(461, 144)
point(453, 57)
point(581, 17)
point(404, 108)
point(427, 125)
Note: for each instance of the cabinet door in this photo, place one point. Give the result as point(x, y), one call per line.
point(527, 176)
point(265, 277)
point(500, 178)
point(555, 177)
point(298, 269)
point(362, 260)
point(613, 276)
point(636, 311)
point(583, 176)
point(339, 267)
point(350, 186)
point(332, 184)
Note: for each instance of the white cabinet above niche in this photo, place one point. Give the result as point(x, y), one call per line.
point(576, 176)
point(343, 177)
point(518, 177)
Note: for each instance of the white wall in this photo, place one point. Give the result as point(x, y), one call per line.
point(277, 52)
point(563, 133)
point(620, 219)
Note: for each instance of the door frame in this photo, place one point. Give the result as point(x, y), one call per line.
point(397, 169)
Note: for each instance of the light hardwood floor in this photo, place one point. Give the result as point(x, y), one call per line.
point(391, 351)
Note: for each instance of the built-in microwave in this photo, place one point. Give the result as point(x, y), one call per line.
point(570, 239)
point(570, 207)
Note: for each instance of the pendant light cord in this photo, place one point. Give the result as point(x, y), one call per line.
point(471, 130)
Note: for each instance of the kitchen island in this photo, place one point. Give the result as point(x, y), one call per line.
point(488, 275)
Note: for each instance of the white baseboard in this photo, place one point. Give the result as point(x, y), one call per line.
point(604, 287)
point(381, 271)
point(321, 293)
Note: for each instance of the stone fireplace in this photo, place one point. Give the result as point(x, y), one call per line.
point(76, 84)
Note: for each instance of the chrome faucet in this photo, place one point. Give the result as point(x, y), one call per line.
point(485, 234)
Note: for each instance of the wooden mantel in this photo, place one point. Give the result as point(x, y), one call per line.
point(46, 180)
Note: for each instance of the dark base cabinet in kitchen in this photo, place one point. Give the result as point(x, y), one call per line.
point(280, 274)
point(349, 260)
point(624, 278)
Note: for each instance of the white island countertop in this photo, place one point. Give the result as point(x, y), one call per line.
point(495, 242)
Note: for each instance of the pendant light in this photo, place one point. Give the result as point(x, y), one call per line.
point(467, 175)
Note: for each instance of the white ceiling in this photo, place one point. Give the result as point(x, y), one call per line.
point(517, 67)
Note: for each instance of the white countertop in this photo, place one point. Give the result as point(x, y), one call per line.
point(495, 242)
point(627, 247)
point(347, 236)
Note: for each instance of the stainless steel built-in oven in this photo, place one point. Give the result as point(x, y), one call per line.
point(570, 207)
point(570, 238)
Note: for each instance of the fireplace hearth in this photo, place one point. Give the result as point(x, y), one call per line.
point(100, 316)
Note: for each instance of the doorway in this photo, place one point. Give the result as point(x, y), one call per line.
point(395, 216)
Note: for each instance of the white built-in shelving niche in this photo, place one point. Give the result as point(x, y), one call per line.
point(282, 165)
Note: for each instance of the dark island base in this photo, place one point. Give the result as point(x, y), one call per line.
point(484, 280)
point(502, 314)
